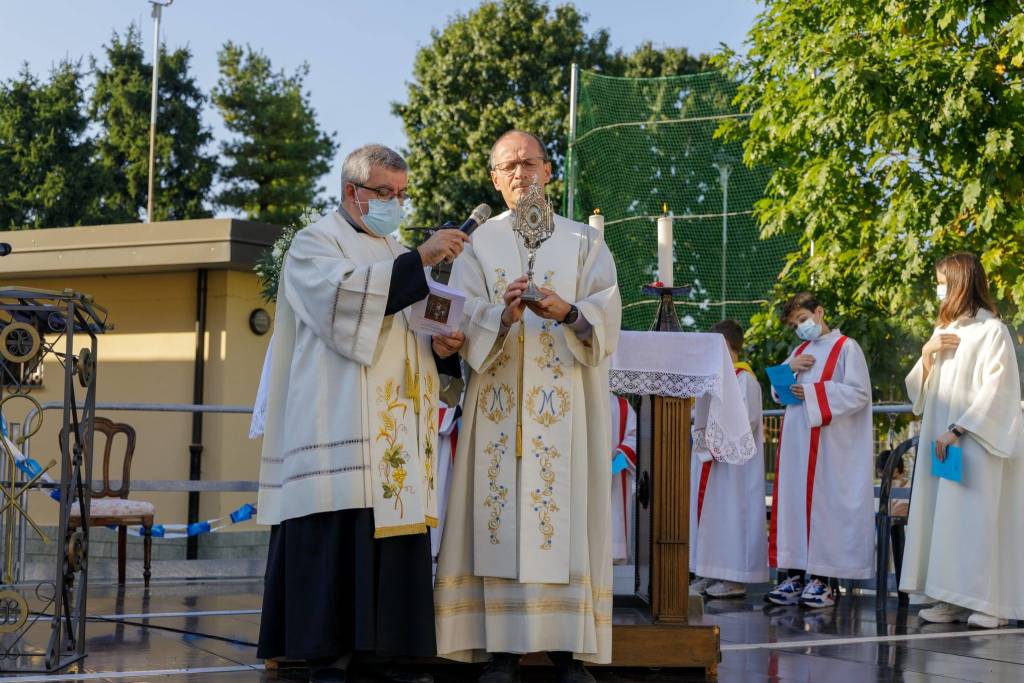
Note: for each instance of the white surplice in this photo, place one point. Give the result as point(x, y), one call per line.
point(623, 477)
point(728, 536)
point(447, 440)
point(823, 497)
point(351, 413)
point(964, 541)
point(526, 559)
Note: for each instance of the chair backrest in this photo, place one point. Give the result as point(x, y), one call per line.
point(889, 469)
point(110, 429)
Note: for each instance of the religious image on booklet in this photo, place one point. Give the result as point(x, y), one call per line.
point(439, 312)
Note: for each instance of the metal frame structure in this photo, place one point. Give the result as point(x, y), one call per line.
point(35, 324)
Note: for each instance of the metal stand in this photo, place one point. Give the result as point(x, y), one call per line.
point(35, 324)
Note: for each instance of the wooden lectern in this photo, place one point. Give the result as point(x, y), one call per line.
point(654, 630)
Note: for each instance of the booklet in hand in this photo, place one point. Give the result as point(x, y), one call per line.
point(783, 379)
point(440, 312)
point(952, 467)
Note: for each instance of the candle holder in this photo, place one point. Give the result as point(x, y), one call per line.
point(666, 320)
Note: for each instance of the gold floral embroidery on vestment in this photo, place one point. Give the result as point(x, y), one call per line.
point(495, 401)
point(547, 406)
point(500, 285)
point(549, 358)
point(431, 420)
point(497, 493)
point(544, 498)
point(393, 463)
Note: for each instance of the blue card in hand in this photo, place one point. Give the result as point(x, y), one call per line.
point(783, 379)
point(952, 467)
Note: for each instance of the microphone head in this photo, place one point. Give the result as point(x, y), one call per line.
point(481, 214)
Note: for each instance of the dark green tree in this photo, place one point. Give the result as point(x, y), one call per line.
point(895, 131)
point(121, 105)
point(279, 152)
point(503, 65)
point(46, 176)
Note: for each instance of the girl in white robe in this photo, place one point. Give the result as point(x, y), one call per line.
point(964, 543)
point(823, 513)
point(729, 541)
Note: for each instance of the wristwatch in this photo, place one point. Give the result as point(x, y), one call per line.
point(956, 430)
point(571, 316)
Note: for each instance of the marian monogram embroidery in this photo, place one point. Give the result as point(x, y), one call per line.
point(498, 493)
point(500, 285)
point(547, 406)
point(496, 401)
point(544, 498)
point(548, 358)
point(392, 464)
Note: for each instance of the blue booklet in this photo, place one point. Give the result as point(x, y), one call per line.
point(783, 379)
point(952, 467)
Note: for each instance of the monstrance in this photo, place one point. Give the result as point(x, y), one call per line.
point(534, 222)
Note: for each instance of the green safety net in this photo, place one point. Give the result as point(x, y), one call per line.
point(642, 144)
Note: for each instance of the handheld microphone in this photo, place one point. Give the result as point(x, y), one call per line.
point(476, 219)
point(5, 248)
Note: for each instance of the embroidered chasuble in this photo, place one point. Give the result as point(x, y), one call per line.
point(964, 543)
point(351, 418)
point(526, 558)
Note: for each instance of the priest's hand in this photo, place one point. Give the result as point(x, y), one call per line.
point(804, 361)
point(514, 305)
point(442, 245)
point(446, 346)
point(942, 443)
point(552, 306)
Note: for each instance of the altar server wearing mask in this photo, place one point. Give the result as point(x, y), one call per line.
point(349, 463)
point(822, 523)
point(526, 558)
point(728, 540)
point(964, 543)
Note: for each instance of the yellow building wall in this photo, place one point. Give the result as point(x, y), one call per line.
point(149, 358)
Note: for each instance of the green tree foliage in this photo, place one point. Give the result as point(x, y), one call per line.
point(279, 152)
point(503, 65)
point(896, 131)
point(121, 105)
point(46, 177)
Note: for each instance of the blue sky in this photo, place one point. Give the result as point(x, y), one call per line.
point(360, 53)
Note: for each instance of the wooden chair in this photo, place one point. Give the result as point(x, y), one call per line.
point(111, 507)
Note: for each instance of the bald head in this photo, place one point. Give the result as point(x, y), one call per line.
point(518, 160)
point(524, 138)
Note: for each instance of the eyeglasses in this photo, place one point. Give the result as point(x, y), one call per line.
point(385, 193)
point(530, 165)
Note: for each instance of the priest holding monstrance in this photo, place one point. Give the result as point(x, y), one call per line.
point(349, 462)
point(526, 558)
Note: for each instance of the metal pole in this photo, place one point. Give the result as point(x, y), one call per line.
point(723, 176)
point(156, 14)
point(195, 469)
point(570, 157)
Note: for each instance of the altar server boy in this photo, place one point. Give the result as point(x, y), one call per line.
point(823, 500)
point(727, 513)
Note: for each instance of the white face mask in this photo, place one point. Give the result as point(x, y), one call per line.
point(940, 292)
point(808, 330)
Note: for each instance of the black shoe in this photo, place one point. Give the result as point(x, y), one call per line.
point(503, 668)
point(401, 675)
point(327, 674)
point(569, 670)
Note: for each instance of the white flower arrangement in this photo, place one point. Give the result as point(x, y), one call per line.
point(268, 267)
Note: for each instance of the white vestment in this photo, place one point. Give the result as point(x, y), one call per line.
point(526, 558)
point(728, 536)
point(623, 477)
point(823, 502)
point(447, 440)
point(351, 416)
point(964, 541)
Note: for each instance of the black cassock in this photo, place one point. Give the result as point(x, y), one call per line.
point(330, 587)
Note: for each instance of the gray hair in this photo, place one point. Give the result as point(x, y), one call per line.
point(516, 131)
point(362, 161)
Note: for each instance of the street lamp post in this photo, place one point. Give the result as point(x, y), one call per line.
point(156, 13)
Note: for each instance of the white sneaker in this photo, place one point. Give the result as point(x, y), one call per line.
point(726, 589)
point(982, 620)
point(944, 613)
point(786, 593)
point(700, 585)
point(817, 595)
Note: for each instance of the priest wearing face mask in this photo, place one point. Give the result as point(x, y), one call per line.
point(348, 468)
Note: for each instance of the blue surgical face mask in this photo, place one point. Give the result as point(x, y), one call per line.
point(383, 218)
point(808, 330)
point(940, 292)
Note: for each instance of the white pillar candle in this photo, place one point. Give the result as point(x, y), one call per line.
point(596, 220)
point(665, 250)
